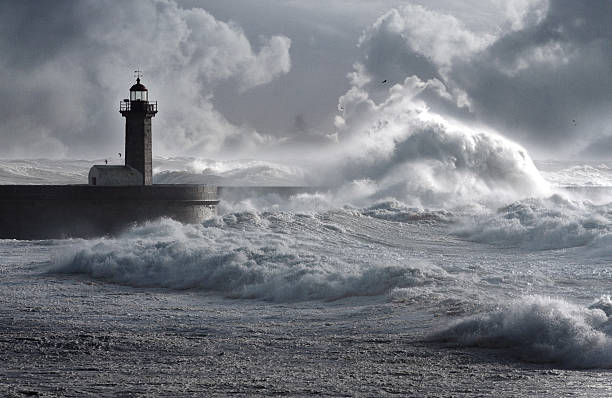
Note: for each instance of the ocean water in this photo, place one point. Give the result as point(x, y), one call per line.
point(437, 275)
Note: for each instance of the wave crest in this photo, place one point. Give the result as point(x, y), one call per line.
point(541, 330)
point(551, 223)
point(246, 255)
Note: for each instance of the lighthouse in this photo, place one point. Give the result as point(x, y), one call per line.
point(138, 170)
point(117, 196)
point(138, 112)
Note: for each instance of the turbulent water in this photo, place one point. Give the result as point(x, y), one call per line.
point(374, 287)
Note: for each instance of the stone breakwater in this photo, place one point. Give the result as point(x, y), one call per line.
point(60, 211)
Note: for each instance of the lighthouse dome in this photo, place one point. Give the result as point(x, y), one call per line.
point(138, 86)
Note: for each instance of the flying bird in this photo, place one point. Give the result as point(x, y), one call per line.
point(384, 81)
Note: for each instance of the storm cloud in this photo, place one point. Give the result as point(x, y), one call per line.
point(542, 78)
point(72, 64)
point(244, 79)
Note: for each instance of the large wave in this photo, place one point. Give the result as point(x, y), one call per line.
point(542, 223)
point(401, 151)
point(576, 174)
point(395, 150)
point(270, 256)
point(540, 329)
point(406, 151)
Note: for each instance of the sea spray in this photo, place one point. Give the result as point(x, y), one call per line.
point(397, 149)
point(408, 152)
point(272, 256)
point(244, 173)
point(555, 222)
point(540, 329)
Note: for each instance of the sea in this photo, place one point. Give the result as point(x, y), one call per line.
point(381, 286)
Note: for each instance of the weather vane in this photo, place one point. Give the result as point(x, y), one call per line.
point(138, 74)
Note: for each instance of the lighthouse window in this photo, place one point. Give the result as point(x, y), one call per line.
point(139, 95)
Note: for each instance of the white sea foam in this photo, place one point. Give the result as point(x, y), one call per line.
point(570, 174)
point(604, 303)
point(540, 329)
point(272, 256)
point(276, 199)
point(550, 223)
point(227, 172)
point(396, 150)
point(394, 210)
point(43, 171)
point(410, 153)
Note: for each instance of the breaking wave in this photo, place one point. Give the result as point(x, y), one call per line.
point(584, 174)
point(550, 223)
point(226, 172)
point(406, 151)
point(393, 210)
point(274, 256)
point(396, 150)
point(542, 330)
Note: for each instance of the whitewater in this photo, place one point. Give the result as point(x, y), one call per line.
point(373, 287)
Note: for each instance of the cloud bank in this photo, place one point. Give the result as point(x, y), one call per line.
point(536, 71)
point(73, 64)
point(541, 78)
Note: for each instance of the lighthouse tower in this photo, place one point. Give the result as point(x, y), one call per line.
point(138, 111)
point(117, 196)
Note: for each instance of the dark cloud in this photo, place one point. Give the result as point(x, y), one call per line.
point(534, 82)
point(542, 79)
point(227, 83)
point(66, 64)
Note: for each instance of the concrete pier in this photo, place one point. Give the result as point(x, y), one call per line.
point(61, 211)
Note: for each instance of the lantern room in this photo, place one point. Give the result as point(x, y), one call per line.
point(138, 92)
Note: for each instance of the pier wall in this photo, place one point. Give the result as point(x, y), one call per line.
point(61, 211)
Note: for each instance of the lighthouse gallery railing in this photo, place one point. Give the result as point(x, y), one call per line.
point(150, 106)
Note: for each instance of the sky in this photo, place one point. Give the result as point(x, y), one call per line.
point(271, 79)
